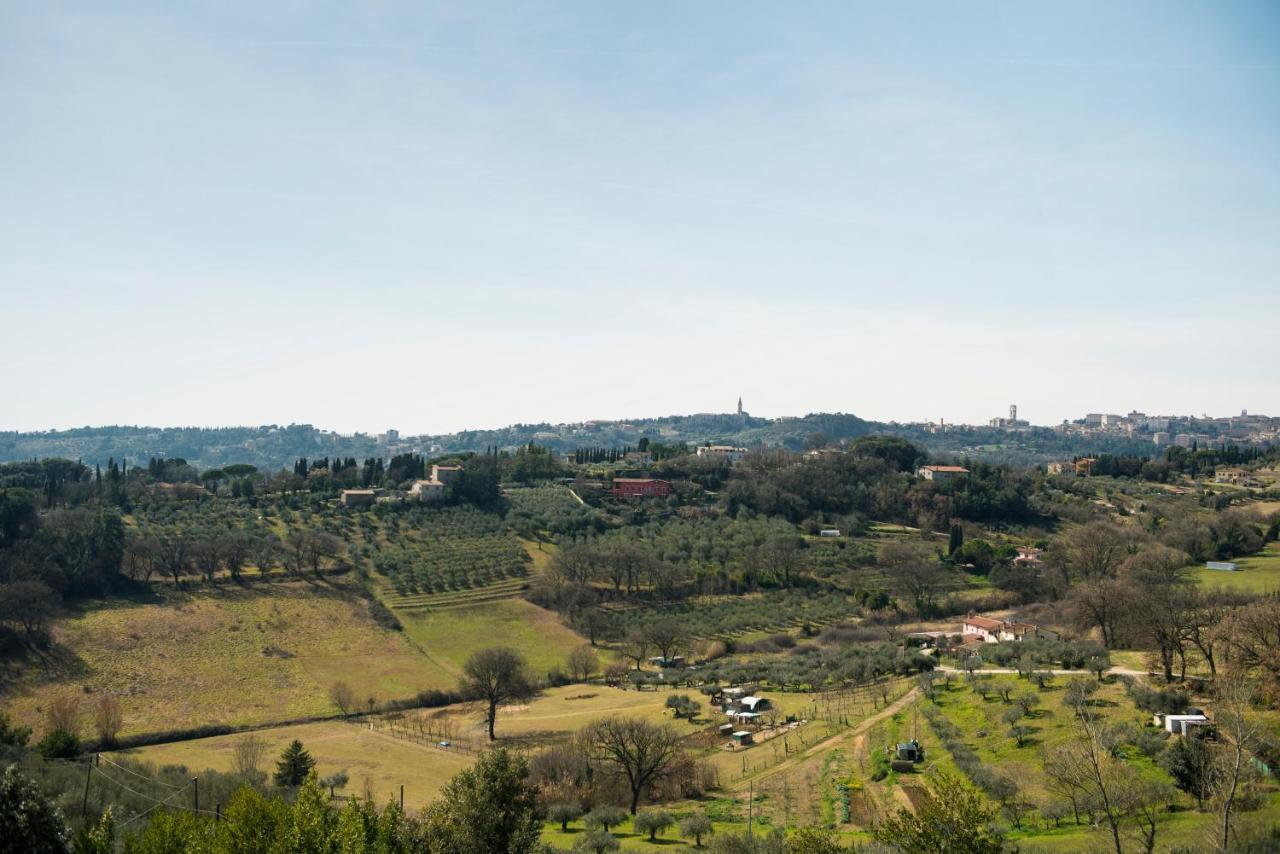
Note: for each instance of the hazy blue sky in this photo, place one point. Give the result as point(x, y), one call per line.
point(434, 216)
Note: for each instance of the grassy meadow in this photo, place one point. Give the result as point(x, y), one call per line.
point(375, 753)
point(1258, 574)
point(226, 655)
point(448, 636)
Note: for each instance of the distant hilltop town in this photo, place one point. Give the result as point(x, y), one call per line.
point(1160, 430)
point(712, 435)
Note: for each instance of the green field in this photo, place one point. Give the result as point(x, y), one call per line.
point(448, 636)
point(1258, 574)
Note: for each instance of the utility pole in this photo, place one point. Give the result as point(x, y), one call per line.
point(195, 782)
point(84, 804)
point(751, 804)
point(402, 797)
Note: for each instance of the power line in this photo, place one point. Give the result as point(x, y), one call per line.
point(140, 776)
point(165, 802)
point(116, 782)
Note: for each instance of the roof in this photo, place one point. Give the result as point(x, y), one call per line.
point(750, 701)
point(947, 468)
point(639, 480)
point(742, 733)
point(357, 492)
point(983, 623)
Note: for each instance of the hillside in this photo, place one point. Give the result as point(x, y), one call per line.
point(272, 447)
point(223, 656)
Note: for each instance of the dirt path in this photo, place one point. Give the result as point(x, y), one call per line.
point(857, 733)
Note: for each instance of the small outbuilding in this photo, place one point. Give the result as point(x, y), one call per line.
point(1179, 724)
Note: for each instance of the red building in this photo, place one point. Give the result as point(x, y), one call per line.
point(641, 487)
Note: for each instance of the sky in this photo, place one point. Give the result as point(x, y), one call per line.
point(439, 216)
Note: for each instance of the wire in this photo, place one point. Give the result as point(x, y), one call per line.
point(140, 776)
point(154, 802)
point(165, 802)
point(127, 789)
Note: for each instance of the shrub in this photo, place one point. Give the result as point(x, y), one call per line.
point(14, 736)
point(32, 822)
point(59, 744)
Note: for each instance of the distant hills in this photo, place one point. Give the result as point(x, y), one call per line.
point(271, 447)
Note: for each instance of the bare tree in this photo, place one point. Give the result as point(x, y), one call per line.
point(1251, 635)
point(495, 676)
point(1066, 775)
point(1101, 602)
point(29, 605)
point(266, 552)
point(920, 582)
point(141, 558)
point(207, 553)
point(294, 555)
point(237, 548)
point(635, 647)
point(1095, 550)
point(1234, 692)
point(780, 558)
point(343, 697)
point(247, 754)
point(108, 718)
point(583, 661)
point(667, 636)
point(63, 713)
point(642, 752)
point(1141, 801)
point(175, 555)
point(320, 547)
point(1162, 614)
